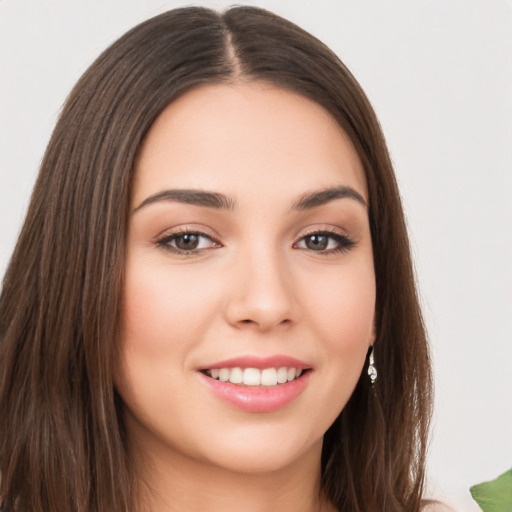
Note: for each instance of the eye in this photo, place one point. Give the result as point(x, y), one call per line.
point(325, 242)
point(186, 242)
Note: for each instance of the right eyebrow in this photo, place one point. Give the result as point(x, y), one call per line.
point(191, 196)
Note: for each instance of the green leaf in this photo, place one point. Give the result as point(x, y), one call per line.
point(496, 495)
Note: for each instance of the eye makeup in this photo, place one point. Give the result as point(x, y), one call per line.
point(187, 242)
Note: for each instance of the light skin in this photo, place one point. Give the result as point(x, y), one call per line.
point(248, 236)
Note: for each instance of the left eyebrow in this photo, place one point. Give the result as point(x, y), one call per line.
point(324, 196)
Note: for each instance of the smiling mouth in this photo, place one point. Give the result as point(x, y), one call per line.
point(253, 377)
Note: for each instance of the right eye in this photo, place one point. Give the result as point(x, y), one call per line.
point(186, 242)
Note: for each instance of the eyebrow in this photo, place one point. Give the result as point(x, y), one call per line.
point(321, 197)
point(195, 197)
point(220, 201)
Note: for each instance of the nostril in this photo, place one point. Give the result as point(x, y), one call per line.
point(248, 321)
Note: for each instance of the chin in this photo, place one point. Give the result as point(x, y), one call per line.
point(264, 457)
point(264, 447)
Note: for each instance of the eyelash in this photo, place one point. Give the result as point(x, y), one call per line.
point(165, 242)
point(343, 242)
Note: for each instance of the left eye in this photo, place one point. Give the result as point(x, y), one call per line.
point(186, 242)
point(325, 242)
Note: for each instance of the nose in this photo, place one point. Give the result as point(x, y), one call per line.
point(262, 293)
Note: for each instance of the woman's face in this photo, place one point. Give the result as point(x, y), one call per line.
point(249, 262)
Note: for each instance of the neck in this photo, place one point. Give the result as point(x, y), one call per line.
point(179, 483)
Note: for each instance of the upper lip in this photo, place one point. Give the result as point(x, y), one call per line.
point(276, 361)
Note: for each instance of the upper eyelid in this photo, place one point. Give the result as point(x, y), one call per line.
point(331, 234)
point(331, 230)
point(177, 234)
point(182, 230)
point(327, 229)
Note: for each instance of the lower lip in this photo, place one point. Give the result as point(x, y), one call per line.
point(258, 399)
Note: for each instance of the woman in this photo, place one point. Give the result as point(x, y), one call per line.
point(212, 302)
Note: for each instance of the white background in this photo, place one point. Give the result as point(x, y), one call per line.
point(439, 75)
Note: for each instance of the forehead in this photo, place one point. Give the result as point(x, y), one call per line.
point(242, 135)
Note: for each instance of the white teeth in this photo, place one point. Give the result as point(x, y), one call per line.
point(269, 377)
point(254, 376)
point(236, 375)
point(282, 375)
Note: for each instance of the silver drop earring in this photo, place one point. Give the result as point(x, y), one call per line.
point(372, 371)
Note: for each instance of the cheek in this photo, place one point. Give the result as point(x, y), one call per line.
point(165, 314)
point(165, 309)
point(342, 315)
point(343, 306)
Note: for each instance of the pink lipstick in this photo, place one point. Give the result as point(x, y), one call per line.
point(257, 384)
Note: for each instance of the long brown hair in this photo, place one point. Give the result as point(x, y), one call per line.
point(62, 441)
